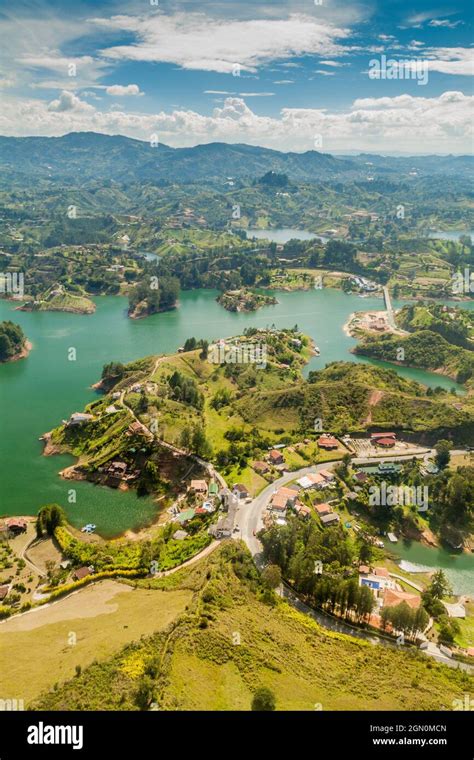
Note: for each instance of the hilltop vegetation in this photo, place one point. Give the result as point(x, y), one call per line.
point(236, 637)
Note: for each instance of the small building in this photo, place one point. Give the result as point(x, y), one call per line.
point(312, 480)
point(392, 598)
point(302, 510)
point(364, 569)
point(180, 535)
point(17, 525)
point(328, 442)
point(117, 468)
point(279, 504)
point(323, 509)
point(361, 477)
point(198, 486)
point(240, 491)
point(457, 610)
point(429, 468)
point(213, 489)
point(386, 440)
point(388, 468)
point(328, 476)
point(286, 496)
point(381, 572)
point(185, 516)
point(386, 443)
point(82, 572)
point(276, 457)
point(261, 467)
point(79, 418)
point(392, 538)
point(136, 428)
point(330, 519)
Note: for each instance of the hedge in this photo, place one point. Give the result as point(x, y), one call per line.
point(68, 588)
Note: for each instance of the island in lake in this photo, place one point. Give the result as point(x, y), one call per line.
point(244, 300)
point(153, 295)
point(13, 342)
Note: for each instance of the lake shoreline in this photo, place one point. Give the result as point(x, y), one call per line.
point(23, 354)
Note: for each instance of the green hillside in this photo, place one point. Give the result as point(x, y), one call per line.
point(236, 636)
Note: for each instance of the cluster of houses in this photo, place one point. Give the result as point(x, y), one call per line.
point(364, 284)
point(275, 458)
point(285, 498)
point(204, 496)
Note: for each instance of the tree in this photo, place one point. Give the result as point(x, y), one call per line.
point(49, 518)
point(443, 454)
point(144, 693)
point(199, 443)
point(263, 700)
point(439, 586)
point(271, 576)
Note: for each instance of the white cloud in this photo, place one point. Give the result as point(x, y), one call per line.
point(324, 73)
point(333, 63)
point(445, 23)
point(413, 124)
point(285, 81)
point(450, 60)
point(120, 90)
point(197, 41)
point(68, 101)
point(256, 94)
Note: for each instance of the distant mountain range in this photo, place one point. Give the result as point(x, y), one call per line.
point(89, 156)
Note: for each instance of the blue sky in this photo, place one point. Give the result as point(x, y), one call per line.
point(289, 74)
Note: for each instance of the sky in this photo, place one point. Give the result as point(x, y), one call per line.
point(339, 76)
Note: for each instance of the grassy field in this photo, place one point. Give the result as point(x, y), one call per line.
point(35, 648)
point(234, 638)
point(466, 637)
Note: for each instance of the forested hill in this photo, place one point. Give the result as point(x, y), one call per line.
point(92, 156)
